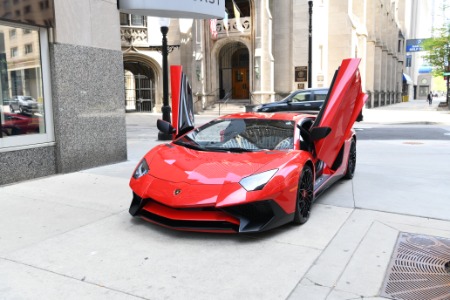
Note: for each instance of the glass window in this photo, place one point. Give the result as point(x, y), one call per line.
point(137, 20)
point(28, 48)
point(124, 19)
point(132, 20)
point(320, 95)
point(43, 5)
point(14, 51)
point(27, 9)
point(242, 6)
point(22, 106)
point(301, 97)
point(12, 33)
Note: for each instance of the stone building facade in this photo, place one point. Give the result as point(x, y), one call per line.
point(264, 54)
point(66, 56)
point(85, 64)
point(419, 24)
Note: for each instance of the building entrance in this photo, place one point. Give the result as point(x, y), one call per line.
point(234, 71)
point(139, 87)
point(240, 83)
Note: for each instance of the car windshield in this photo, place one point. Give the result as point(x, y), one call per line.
point(27, 98)
point(240, 135)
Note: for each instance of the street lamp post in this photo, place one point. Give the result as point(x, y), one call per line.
point(164, 23)
point(310, 4)
point(447, 70)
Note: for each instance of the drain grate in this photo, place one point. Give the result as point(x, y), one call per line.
point(419, 269)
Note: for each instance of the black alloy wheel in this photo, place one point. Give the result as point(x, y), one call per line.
point(305, 196)
point(351, 165)
point(11, 109)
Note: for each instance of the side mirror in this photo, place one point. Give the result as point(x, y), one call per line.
point(318, 133)
point(165, 127)
point(360, 117)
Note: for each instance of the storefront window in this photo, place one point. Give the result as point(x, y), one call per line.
point(22, 97)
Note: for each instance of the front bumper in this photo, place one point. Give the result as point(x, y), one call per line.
point(251, 217)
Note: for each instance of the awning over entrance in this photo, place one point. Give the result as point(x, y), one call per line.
point(187, 9)
point(407, 79)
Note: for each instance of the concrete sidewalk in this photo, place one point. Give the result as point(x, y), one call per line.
point(70, 236)
point(414, 111)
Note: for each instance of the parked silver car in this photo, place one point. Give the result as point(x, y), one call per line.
point(23, 104)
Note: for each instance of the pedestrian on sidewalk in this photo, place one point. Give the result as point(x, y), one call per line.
point(430, 98)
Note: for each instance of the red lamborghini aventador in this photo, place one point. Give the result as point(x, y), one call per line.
point(250, 172)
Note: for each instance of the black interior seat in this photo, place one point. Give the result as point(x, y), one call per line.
point(306, 142)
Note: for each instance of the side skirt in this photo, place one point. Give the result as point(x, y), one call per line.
point(323, 183)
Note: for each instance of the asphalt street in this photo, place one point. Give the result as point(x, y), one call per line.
point(70, 236)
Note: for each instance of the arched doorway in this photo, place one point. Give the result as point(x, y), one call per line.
point(139, 87)
point(234, 60)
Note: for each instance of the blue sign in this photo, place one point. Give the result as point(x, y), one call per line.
point(414, 45)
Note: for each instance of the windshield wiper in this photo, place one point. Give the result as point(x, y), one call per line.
point(231, 149)
point(190, 146)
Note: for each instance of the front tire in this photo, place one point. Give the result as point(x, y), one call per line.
point(351, 164)
point(305, 196)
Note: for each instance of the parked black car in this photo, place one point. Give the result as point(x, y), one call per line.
point(301, 100)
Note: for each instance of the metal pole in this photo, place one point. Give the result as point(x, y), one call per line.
point(448, 76)
point(166, 108)
point(310, 4)
point(447, 71)
point(448, 85)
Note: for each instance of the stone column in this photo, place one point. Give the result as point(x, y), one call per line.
point(370, 72)
point(340, 35)
point(378, 75)
point(283, 46)
point(263, 87)
point(87, 85)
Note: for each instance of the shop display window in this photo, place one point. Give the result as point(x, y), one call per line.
point(23, 98)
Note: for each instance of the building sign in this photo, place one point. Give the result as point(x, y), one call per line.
point(414, 45)
point(192, 9)
point(301, 74)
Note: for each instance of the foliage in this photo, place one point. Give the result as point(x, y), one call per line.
point(438, 50)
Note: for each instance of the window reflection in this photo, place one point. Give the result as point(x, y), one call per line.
point(21, 95)
point(33, 12)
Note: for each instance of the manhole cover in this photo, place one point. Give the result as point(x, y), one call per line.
point(413, 143)
point(419, 269)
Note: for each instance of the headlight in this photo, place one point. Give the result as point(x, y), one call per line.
point(141, 169)
point(258, 181)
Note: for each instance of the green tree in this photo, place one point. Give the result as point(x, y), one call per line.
point(438, 50)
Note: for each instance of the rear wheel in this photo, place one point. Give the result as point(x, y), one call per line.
point(11, 108)
point(351, 165)
point(305, 196)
